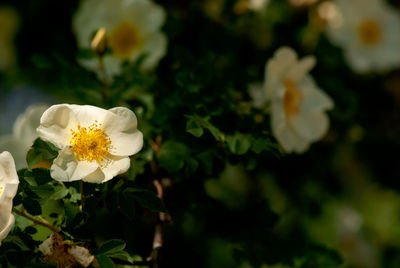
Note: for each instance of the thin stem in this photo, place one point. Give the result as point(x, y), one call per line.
point(41, 221)
point(82, 194)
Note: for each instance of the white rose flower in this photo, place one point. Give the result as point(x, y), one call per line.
point(24, 133)
point(368, 31)
point(8, 188)
point(132, 30)
point(297, 105)
point(95, 143)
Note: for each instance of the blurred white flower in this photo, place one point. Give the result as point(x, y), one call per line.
point(64, 253)
point(367, 30)
point(132, 30)
point(8, 188)
point(297, 105)
point(95, 143)
point(8, 27)
point(24, 133)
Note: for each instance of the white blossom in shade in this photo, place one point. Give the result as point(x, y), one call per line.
point(297, 105)
point(24, 133)
point(367, 30)
point(95, 144)
point(64, 253)
point(8, 188)
point(133, 29)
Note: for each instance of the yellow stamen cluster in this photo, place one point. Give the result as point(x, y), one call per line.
point(125, 39)
point(291, 98)
point(90, 143)
point(370, 32)
point(1, 190)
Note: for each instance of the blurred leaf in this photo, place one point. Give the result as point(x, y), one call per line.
point(32, 206)
point(148, 199)
point(104, 261)
point(111, 247)
point(239, 143)
point(172, 156)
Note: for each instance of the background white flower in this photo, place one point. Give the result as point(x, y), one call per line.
point(297, 104)
point(8, 188)
point(132, 28)
point(24, 133)
point(95, 143)
point(368, 31)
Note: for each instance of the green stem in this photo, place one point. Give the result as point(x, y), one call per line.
point(41, 221)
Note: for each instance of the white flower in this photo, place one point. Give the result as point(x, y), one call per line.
point(64, 253)
point(8, 188)
point(297, 104)
point(95, 143)
point(368, 31)
point(24, 133)
point(132, 27)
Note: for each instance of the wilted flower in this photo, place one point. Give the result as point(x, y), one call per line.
point(368, 31)
point(297, 105)
point(64, 253)
point(132, 30)
point(8, 188)
point(24, 133)
point(95, 143)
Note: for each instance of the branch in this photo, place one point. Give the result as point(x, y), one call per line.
point(41, 221)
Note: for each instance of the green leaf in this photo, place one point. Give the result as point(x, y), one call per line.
point(43, 191)
point(111, 247)
point(32, 206)
point(196, 123)
point(60, 191)
point(33, 158)
point(172, 156)
point(148, 199)
point(239, 143)
point(127, 204)
point(104, 261)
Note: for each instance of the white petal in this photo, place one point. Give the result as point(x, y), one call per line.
point(258, 95)
point(121, 127)
point(17, 149)
point(114, 167)
point(145, 14)
point(8, 173)
point(45, 247)
point(87, 114)
point(311, 126)
point(56, 124)
point(155, 48)
point(7, 228)
point(67, 168)
point(313, 98)
point(301, 68)
point(81, 255)
point(26, 124)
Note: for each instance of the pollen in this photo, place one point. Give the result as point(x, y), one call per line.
point(1, 190)
point(291, 98)
point(90, 143)
point(370, 32)
point(125, 39)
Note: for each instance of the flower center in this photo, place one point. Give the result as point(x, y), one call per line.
point(291, 98)
point(370, 32)
point(91, 143)
point(125, 39)
point(1, 190)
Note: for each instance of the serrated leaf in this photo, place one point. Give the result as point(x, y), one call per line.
point(111, 247)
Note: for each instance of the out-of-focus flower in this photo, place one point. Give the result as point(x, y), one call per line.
point(243, 6)
point(24, 133)
point(8, 188)
point(95, 143)
point(8, 28)
point(301, 3)
point(368, 31)
point(132, 30)
point(64, 253)
point(297, 105)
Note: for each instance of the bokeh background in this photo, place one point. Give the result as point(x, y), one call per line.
point(231, 204)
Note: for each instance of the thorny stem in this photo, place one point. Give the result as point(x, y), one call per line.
point(162, 218)
point(40, 221)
